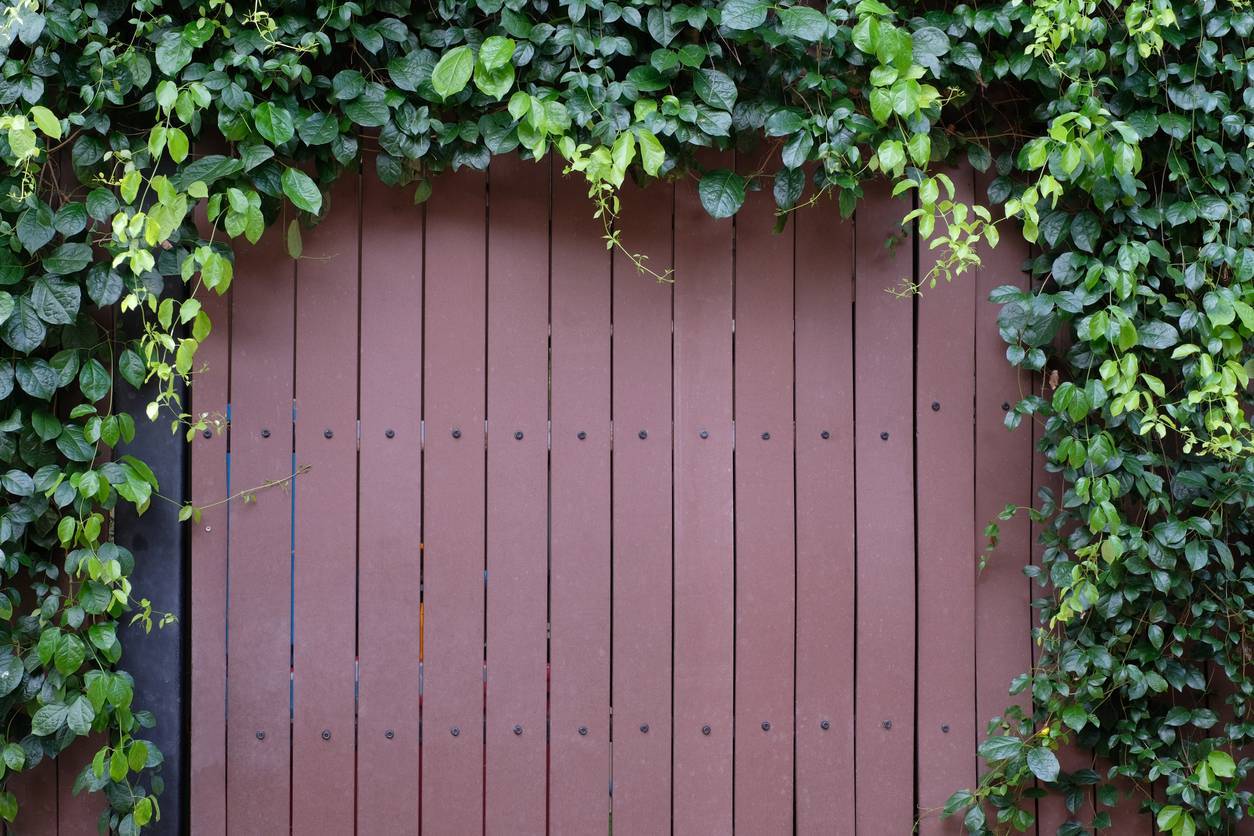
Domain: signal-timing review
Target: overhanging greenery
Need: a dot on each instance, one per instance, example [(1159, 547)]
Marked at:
[(1122, 137)]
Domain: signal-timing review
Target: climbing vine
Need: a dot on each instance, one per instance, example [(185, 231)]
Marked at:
[(1119, 137)]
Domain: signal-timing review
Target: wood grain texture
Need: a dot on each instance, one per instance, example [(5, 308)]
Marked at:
[(884, 416), (704, 535), (825, 521), (517, 499), (579, 535), (389, 509)]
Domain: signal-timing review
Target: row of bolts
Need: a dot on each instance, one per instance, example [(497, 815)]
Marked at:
[(581, 435), (706, 730)]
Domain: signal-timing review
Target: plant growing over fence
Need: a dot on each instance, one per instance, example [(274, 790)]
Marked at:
[(1121, 134)]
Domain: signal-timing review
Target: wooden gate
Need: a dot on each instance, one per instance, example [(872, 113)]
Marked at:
[(524, 541)]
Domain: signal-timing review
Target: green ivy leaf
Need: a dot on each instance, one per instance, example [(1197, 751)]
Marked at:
[(301, 190), (715, 89), (743, 14), (803, 22), (722, 193), (452, 72), (274, 123), (1043, 763)]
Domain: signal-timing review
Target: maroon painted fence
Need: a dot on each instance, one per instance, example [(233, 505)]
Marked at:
[(568, 547)]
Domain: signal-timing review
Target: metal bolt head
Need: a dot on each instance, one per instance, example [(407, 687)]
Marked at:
[(390, 433), (825, 724), (644, 434), (884, 436), (389, 734), (455, 731), (766, 436), (517, 729), (825, 435), (582, 435), (261, 735), (208, 433), (1005, 407), (945, 728), (766, 725), (518, 436), (456, 433), (705, 730), (327, 434), (888, 724), (705, 433), (265, 433), (326, 734), (583, 731), (936, 406), (644, 728)]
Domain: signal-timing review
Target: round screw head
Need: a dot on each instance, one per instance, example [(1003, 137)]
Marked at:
[(455, 731), (644, 434), (825, 724), (389, 734), (705, 433), (517, 729), (936, 406), (884, 436), (261, 735), (582, 435), (705, 730), (390, 433), (327, 434), (456, 433), (326, 734), (208, 433), (583, 731), (945, 728), (766, 436), (888, 724), (644, 728), (825, 435), (518, 436), (766, 725), (265, 433)]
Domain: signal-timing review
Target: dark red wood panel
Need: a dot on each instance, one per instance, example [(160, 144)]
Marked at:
[(641, 661), (259, 638), (704, 536), (579, 711), (324, 657), (389, 509), (453, 502), (36, 791), (78, 814), (944, 411), (825, 520), (765, 556), (1003, 475), (884, 413), (518, 368), (209, 393)]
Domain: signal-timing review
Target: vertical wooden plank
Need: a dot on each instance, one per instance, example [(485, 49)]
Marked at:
[(765, 555), (884, 416), (825, 520), (259, 638), (518, 368), (453, 502), (945, 450), (704, 535), (579, 756), (78, 813), (641, 667), (1003, 475), (36, 791), (209, 392), (389, 509), (324, 655)]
